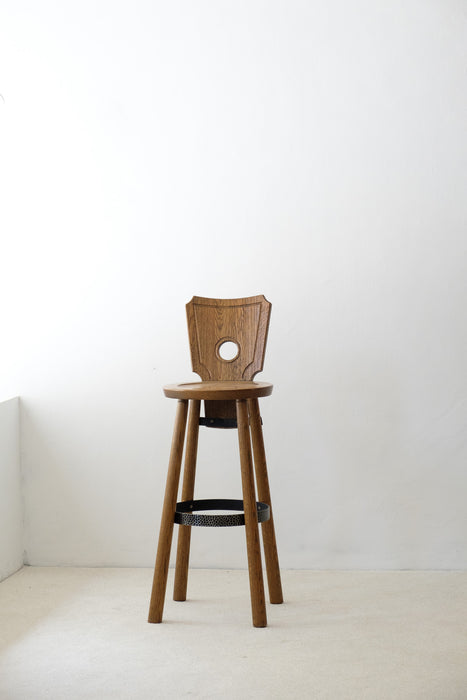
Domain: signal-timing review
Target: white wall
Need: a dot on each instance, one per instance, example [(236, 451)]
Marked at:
[(311, 151), (11, 503)]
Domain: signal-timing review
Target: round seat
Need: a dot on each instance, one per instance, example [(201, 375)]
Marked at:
[(218, 391)]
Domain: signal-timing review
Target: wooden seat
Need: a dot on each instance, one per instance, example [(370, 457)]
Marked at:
[(230, 398), (215, 391)]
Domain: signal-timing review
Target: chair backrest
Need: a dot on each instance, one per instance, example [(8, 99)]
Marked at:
[(214, 324)]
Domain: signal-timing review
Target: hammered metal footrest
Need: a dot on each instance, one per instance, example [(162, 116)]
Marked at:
[(185, 513)]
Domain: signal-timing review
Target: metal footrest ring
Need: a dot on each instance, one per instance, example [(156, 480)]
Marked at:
[(185, 513)]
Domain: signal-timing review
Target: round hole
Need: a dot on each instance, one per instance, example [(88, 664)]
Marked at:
[(228, 350)]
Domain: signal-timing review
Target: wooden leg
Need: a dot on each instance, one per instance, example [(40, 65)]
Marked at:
[(258, 604), (269, 537), (167, 520), (188, 489)]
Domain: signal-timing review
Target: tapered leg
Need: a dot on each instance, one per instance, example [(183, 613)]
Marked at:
[(167, 520), (188, 489), (269, 537), (258, 604)]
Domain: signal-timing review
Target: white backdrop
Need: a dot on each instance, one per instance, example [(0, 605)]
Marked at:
[(311, 151), (11, 502)]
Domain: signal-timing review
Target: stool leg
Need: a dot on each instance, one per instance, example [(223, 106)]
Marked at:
[(188, 489), (167, 520), (258, 604), (269, 537)]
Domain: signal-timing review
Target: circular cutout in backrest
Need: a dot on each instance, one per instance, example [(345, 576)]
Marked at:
[(228, 350)]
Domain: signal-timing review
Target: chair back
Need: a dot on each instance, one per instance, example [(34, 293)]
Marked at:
[(215, 324)]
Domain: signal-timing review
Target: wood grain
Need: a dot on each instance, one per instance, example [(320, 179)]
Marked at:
[(258, 605), (218, 390), (188, 491), (228, 390), (161, 568), (243, 321), (264, 495)]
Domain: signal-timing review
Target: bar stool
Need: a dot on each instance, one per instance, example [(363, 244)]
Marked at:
[(230, 397)]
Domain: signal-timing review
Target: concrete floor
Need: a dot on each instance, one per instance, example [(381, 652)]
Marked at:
[(82, 633)]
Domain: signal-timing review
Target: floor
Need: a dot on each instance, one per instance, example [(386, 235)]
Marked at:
[(82, 633)]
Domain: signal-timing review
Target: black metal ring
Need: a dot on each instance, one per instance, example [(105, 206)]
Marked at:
[(185, 515)]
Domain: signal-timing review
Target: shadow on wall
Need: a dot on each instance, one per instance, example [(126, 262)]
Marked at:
[(359, 476), (11, 504), (59, 509), (367, 435), (84, 470)]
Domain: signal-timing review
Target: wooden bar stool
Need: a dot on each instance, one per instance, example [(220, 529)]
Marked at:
[(215, 328)]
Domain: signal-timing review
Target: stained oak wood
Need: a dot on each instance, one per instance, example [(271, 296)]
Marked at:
[(188, 492), (228, 390), (220, 409), (264, 495), (161, 568), (218, 390), (211, 322), (258, 605)]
